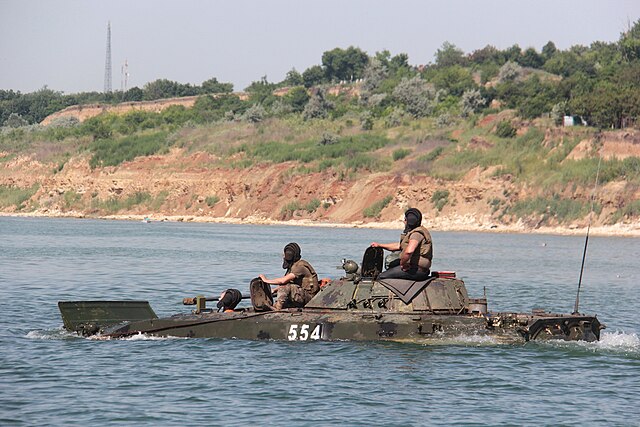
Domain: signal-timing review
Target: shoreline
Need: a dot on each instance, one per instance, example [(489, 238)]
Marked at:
[(466, 224)]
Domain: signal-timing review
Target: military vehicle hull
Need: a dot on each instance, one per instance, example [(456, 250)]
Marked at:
[(315, 325), (360, 306)]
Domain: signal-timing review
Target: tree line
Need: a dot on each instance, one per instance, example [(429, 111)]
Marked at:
[(599, 83)]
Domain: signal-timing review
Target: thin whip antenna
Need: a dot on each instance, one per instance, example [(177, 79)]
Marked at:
[(586, 241)]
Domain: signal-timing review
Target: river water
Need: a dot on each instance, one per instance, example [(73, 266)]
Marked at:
[(50, 377)]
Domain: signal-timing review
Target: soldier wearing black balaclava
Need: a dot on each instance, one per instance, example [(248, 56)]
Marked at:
[(300, 282), (416, 250)]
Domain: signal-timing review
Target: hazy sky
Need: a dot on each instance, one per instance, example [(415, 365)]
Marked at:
[(62, 43)]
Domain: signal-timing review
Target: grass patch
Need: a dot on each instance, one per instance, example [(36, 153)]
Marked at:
[(350, 151), (158, 201), (112, 152), (562, 210), (631, 210), (114, 204), (523, 158), (14, 196), (455, 165), (71, 199), (375, 209)]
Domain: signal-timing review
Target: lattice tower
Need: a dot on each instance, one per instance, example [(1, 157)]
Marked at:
[(107, 62)]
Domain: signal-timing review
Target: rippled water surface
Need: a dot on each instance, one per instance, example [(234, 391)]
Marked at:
[(50, 377)]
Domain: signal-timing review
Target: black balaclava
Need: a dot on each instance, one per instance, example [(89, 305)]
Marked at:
[(291, 255), (229, 299), (414, 219)]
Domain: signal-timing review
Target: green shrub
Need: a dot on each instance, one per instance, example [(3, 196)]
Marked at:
[(440, 198), (288, 209), (431, 155), (400, 153), (375, 209), (312, 206), (505, 129), (212, 200), (631, 210)]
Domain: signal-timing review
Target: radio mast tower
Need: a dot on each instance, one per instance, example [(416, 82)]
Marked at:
[(107, 62), (124, 76)]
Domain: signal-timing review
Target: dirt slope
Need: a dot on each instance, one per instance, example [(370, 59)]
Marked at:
[(181, 183)]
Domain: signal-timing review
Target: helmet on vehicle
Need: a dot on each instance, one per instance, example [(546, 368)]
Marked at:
[(350, 266)]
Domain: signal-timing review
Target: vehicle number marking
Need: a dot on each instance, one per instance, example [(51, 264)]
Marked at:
[(304, 332)]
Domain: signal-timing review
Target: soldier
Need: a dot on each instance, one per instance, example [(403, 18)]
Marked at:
[(300, 282), (416, 250)]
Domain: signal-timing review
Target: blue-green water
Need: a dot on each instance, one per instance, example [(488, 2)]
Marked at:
[(49, 377)]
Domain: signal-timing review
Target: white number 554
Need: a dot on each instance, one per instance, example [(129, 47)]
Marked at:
[(301, 332)]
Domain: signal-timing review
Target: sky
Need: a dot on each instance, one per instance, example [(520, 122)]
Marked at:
[(61, 44)]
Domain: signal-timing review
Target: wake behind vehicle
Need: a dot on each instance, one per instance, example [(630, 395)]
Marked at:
[(357, 306)]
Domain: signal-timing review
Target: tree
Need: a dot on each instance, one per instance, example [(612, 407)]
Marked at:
[(531, 58), (454, 80), (471, 102), (261, 92), (608, 105), (374, 74), (566, 63), (313, 76), (629, 43), (416, 95), (318, 106), (15, 121), (548, 50), (293, 78), (159, 89), (448, 55), (341, 64), (254, 114), (486, 54), (208, 108), (133, 94), (509, 72), (398, 62), (513, 53), (214, 86), (6, 95), (297, 99)]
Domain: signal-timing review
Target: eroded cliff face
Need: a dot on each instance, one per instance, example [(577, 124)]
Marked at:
[(186, 186), (264, 192)]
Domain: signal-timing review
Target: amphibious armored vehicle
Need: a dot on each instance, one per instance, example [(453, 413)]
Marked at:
[(357, 306)]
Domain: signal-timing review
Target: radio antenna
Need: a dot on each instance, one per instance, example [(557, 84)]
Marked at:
[(586, 241)]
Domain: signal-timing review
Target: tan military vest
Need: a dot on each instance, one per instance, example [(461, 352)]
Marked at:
[(423, 256), (306, 276)]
